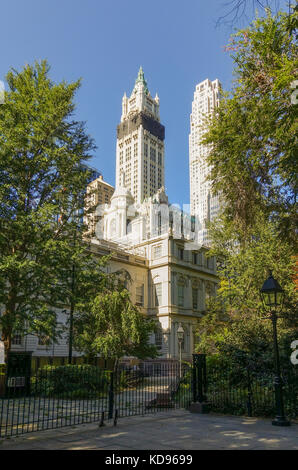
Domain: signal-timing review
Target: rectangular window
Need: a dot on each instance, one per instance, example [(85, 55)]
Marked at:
[(135, 150), (158, 338), (195, 299), (195, 258), (152, 154), (159, 223), (146, 150), (180, 295), (140, 295), (121, 157), (157, 251), (17, 339), (210, 263), (158, 294), (128, 153), (180, 253)]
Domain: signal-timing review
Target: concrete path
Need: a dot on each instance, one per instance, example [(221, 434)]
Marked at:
[(174, 430)]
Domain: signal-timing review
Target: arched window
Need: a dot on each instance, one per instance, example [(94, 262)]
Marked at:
[(128, 226)]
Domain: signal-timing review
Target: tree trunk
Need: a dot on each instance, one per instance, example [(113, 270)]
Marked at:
[(116, 363), (7, 345)]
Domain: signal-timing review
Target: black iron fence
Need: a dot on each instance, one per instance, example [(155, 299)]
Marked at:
[(236, 390), (58, 396)]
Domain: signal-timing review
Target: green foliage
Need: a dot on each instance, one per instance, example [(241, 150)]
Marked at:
[(253, 160), (235, 377), (253, 136), (113, 327), (42, 149), (236, 316), (71, 381)]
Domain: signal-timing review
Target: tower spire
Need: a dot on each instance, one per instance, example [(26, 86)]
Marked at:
[(141, 79)]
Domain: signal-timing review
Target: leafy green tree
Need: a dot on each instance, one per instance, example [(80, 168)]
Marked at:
[(253, 160), (253, 136), (42, 149), (82, 276), (111, 326), (235, 319)]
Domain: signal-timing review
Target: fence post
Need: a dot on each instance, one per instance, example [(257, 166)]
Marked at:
[(249, 395), (18, 374), (194, 383), (200, 404), (111, 396), (202, 380), (102, 423)]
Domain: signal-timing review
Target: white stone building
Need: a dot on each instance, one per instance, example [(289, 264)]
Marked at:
[(203, 204), (177, 276), (154, 242)]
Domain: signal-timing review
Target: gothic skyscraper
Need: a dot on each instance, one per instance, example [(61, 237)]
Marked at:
[(140, 143)]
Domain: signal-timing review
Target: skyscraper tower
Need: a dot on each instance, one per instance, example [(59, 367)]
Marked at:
[(204, 205), (140, 143)]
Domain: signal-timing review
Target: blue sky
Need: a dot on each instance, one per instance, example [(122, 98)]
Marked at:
[(104, 42)]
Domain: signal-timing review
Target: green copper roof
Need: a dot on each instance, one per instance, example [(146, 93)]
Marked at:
[(141, 79)]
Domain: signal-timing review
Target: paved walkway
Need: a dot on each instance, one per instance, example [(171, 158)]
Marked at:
[(174, 430)]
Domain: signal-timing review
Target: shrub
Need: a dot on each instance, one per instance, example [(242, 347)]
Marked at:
[(71, 381)]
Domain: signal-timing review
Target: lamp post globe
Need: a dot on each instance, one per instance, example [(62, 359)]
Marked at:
[(272, 296)]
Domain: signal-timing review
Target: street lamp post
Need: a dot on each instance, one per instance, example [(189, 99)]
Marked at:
[(180, 335), (272, 296)]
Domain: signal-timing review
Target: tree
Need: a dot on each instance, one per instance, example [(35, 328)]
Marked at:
[(253, 148), (82, 275), (253, 136), (235, 318), (111, 326), (42, 149)]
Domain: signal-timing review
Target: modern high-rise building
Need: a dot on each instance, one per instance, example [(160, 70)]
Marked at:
[(203, 204), (98, 193), (140, 143)]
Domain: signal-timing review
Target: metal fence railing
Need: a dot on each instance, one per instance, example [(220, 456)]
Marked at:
[(58, 396), (151, 388), (66, 395), (240, 391)]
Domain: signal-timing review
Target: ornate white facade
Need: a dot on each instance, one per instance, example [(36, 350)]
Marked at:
[(203, 204), (145, 230)]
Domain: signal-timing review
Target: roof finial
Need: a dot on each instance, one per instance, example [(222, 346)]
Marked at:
[(141, 79)]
